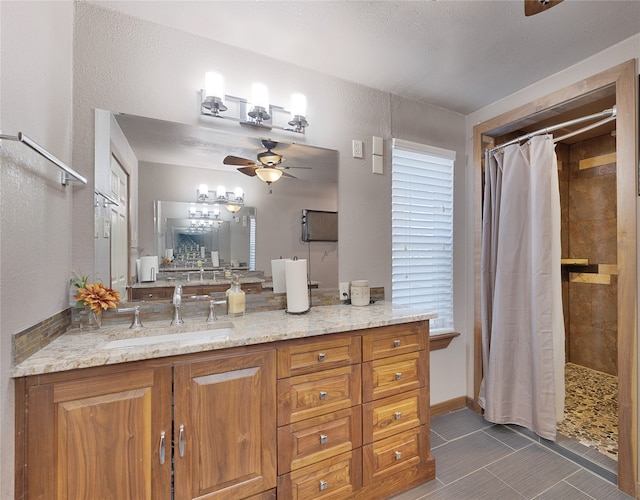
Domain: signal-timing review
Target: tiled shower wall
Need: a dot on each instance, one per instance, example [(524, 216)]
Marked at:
[(590, 293)]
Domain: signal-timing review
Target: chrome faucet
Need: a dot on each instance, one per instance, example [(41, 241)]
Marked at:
[(177, 302)]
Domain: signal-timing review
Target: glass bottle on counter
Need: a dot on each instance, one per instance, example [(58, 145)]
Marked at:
[(235, 298)]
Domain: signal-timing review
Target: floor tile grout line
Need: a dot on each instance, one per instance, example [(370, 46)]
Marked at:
[(505, 483)]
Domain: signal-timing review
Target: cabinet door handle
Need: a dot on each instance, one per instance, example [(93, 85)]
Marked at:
[(181, 441), (322, 356), (398, 455), (398, 376), (323, 394), (396, 343), (161, 449), (324, 438), (323, 485), (397, 415)]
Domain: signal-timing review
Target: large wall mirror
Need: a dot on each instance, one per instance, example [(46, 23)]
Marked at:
[(167, 162)]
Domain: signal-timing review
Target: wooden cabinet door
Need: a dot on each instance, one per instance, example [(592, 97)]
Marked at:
[(225, 426), (99, 437)]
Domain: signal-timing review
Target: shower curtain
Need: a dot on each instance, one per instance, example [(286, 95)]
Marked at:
[(521, 290)]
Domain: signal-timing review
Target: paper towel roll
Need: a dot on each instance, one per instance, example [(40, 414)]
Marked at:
[(215, 262), (296, 281), (148, 268), (277, 275)]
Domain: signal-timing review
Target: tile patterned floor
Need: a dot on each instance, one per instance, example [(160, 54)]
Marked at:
[(591, 409), (478, 460)]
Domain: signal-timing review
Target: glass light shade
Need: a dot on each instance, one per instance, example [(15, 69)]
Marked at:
[(268, 174), (214, 85), (221, 192), (216, 212), (298, 105), (192, 210), (203, 189), (238, 192), (233, 208), (260, 96)]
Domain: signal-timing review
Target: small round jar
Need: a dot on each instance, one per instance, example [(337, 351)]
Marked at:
[(360, 295)]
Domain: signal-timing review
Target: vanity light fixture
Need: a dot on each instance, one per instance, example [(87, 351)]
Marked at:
[(214, 93), (232, 200), (258, 112)]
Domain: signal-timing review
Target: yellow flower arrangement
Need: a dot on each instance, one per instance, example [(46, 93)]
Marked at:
[(98, 297)]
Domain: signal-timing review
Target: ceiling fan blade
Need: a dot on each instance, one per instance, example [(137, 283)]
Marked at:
[(284, 174), (285, 167), (236, 160), (532, 7), (250, 171)]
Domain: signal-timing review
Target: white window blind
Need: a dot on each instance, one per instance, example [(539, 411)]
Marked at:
[(422, 229), (252, 242)]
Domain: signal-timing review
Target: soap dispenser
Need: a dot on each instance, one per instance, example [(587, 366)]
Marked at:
[(235, 298)]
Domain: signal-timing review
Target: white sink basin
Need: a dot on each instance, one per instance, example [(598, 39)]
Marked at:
[(188, 338)]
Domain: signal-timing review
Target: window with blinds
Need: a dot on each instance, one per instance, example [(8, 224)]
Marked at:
[(422, 229)]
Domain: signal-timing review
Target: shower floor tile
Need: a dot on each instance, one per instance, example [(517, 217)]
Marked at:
[(591, 409)]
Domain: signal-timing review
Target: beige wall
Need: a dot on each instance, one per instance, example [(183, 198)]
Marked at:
[(35, 210)]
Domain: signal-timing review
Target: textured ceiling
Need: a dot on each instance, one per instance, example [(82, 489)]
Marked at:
[(460, 55)]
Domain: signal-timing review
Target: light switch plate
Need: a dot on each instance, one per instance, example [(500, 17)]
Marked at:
[(378, 146), (377, 164)]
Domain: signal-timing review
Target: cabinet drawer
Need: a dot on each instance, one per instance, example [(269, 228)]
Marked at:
[(306, 357), (336, 478), (319, 438), (388, 376), (314, 394), (385, 417), (394, 340), (151, 293), (389, 456)]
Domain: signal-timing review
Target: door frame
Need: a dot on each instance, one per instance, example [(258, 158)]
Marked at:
[(625, 79)]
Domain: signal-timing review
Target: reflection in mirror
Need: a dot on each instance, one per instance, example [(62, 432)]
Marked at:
[(170, 162), (189, 233)]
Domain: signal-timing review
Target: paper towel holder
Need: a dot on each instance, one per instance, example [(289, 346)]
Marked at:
[(309, 293)]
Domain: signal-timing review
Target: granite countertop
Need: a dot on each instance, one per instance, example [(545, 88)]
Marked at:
[(83, 349)]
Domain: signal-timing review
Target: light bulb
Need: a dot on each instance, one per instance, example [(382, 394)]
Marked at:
[(260, 96), (214, 85), (298, 105)]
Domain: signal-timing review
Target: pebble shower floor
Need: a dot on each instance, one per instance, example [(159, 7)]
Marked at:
[(591, 409)]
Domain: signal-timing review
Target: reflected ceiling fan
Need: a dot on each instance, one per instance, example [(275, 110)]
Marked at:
[(532, 7), (268, 166)]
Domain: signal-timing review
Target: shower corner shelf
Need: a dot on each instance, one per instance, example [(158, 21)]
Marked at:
[(574, 262)]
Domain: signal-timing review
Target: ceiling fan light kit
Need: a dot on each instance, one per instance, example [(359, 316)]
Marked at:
[(258, 112), (532, 7)]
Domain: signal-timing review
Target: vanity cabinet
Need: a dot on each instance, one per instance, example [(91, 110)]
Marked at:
[(353, 414), (125, 431), (341, 416)]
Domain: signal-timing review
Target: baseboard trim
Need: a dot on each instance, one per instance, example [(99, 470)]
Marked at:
[(447, 406)]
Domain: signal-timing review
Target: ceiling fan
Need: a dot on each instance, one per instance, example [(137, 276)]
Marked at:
[(532, 7), (268, 166)]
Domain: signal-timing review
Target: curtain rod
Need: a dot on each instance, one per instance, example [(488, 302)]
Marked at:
[(610, 115), (67, 171)]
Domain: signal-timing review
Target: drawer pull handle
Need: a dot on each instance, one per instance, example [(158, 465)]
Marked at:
[(322, 356), (324, 439), (398, 455), (323, 485), (398, 376), (323, 395), (181, 441), (396, 343), (397, 415), (161, 450)]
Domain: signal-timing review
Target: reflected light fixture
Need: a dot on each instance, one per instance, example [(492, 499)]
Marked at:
[(260, 103), (268, 174), (232, 200)]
